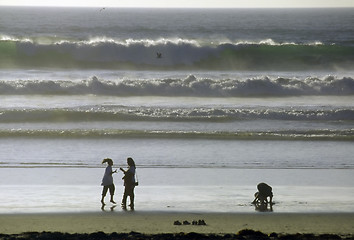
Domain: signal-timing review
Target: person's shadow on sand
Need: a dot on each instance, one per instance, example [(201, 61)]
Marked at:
[(104, 208)]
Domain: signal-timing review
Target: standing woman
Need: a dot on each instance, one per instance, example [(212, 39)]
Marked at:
[(129, 183), (107, 180)]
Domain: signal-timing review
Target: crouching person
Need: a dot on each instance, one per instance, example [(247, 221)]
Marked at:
[(264, 192)]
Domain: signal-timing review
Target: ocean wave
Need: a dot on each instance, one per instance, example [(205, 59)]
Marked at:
[(189, 86), (325, 135), (94, 41), (200, 114), (176, 54)]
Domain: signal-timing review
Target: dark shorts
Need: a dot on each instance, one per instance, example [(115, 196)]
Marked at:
[(111, 189)]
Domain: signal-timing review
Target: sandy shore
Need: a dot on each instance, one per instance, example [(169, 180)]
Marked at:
[(163, 222)]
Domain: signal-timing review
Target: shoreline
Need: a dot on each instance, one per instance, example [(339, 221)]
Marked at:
[(163, 222), (182, 190)]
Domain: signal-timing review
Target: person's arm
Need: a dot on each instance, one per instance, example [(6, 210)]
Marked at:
[(255, 198), (271, 198)]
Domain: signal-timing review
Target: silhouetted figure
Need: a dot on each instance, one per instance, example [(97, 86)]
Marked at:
[(129, 183), (159, 55), (107, 180), (264, 191), (261, 198)]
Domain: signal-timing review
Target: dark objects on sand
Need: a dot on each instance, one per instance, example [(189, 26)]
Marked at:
[(199, 222), (241, 235)]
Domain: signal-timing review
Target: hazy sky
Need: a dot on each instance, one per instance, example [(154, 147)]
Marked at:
[(183, 3)]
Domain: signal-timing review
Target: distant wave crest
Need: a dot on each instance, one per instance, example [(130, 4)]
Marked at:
[(332, 135), (106, 53)]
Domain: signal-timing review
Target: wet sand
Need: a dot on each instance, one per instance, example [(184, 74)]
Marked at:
[(340, 224)]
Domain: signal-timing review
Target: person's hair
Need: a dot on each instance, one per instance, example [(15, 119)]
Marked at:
[(131, 162), (107, 160)]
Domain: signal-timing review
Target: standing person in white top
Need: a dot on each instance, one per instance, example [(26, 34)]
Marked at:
[(107, 180)]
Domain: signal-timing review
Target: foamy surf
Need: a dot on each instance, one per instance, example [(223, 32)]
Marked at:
[(191, 85)]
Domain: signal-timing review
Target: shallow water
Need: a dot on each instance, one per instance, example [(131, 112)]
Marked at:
[(177, 153), (28, 190)]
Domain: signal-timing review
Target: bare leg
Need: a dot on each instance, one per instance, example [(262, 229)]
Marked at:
[(104, 192), (132, 196), (124, 200), (112, 189)]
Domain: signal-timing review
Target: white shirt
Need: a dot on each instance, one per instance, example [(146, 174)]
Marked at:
[(107, 178)]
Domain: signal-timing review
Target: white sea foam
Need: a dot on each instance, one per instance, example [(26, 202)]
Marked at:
[(189, 86)]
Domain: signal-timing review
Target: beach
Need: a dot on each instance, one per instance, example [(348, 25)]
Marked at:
[(48, 209), (210, 190), (163, 222), (74, 210), (208, 102)]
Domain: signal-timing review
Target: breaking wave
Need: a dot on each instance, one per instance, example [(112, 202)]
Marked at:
[(176, 54), (189, 86), (200, 114)]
